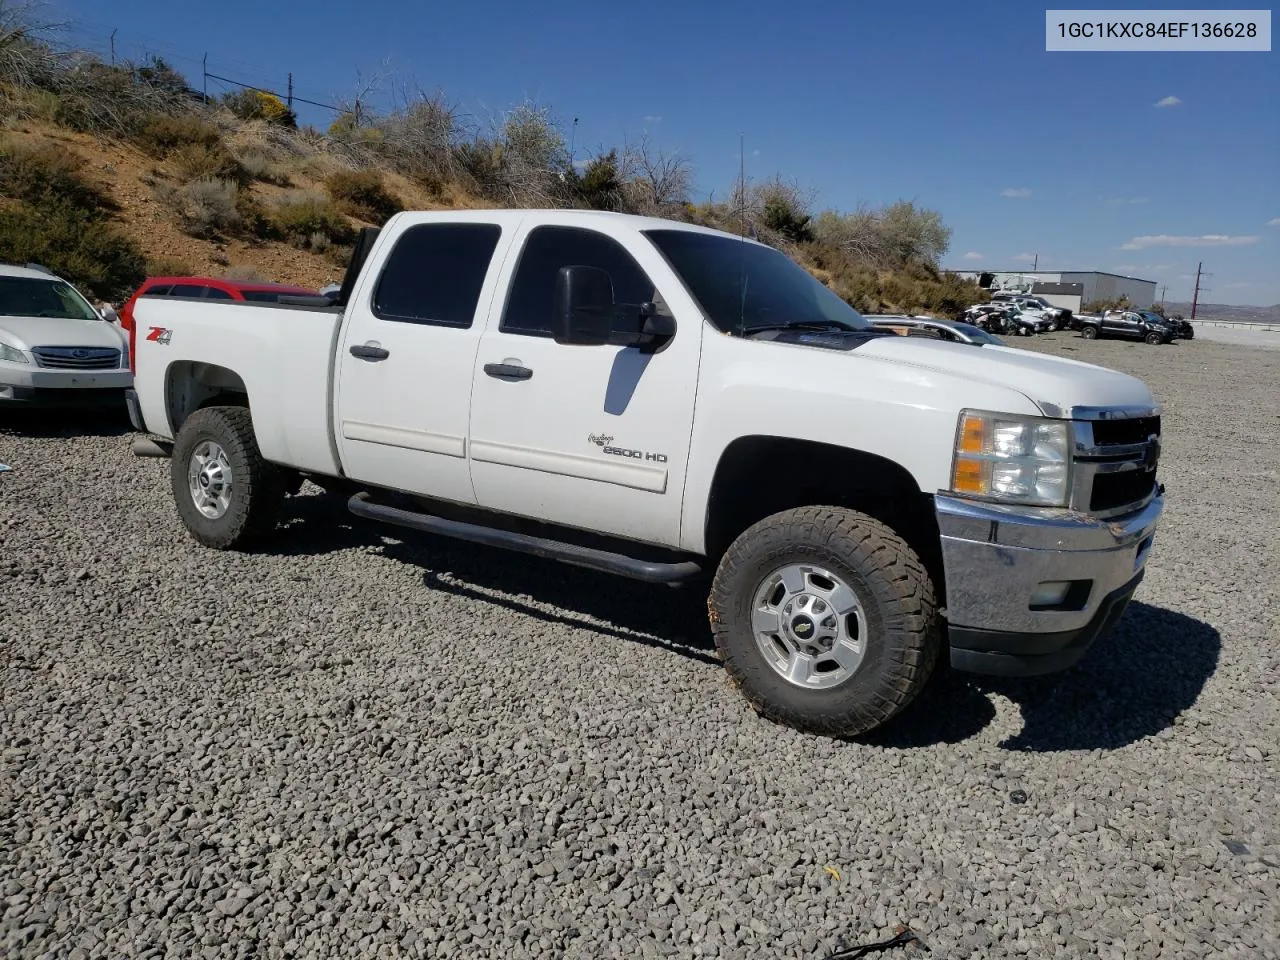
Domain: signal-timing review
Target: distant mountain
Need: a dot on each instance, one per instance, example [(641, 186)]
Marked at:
[(1226, 311)]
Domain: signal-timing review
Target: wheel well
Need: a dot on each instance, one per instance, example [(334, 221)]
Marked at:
[(761, 475), (191, 386)]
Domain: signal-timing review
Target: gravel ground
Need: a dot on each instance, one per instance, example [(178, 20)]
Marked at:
[(351, 745)]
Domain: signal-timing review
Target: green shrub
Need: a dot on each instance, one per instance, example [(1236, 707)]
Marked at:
[(260, 105), (162, 135), (301, 217), (362, 194), (73, 243), (245, 273), (47, 173), (202, 161)]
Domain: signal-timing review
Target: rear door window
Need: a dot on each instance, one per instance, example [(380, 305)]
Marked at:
[(435, 273)]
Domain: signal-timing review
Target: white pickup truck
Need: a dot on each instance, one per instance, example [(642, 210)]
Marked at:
[(660, 401)]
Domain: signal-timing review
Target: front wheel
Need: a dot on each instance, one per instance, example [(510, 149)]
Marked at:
[(227, 494), (1154, 338), (826, 620)]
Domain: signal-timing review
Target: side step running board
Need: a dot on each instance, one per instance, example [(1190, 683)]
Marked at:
[(616, 563)]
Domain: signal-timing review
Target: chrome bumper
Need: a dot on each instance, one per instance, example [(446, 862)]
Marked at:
[(995, 557)]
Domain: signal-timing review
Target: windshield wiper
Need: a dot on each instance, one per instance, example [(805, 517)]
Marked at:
[(803, 325)]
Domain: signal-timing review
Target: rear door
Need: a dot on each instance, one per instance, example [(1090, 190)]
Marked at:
[(408, 352)]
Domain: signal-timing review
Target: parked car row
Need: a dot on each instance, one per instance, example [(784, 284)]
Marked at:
[(1010, 318)]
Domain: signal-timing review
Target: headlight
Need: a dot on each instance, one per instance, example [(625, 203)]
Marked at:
[(1015, 459), (12, 354)]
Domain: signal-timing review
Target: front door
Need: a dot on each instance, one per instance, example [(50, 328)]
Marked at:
[(594, 437), (407, 357)]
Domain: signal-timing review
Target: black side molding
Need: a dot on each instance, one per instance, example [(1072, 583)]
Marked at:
[(602, 560)]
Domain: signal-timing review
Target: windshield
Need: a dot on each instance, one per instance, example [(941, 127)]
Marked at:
[(744, 286), (1152, 317), (32, 297)]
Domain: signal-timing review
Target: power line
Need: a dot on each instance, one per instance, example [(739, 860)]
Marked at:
[(292, 97)]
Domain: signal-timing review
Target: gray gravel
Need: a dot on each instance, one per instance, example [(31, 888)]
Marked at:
[(356, 746)]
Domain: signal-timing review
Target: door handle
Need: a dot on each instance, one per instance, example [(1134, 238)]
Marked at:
[(508, 371), (367, 352)]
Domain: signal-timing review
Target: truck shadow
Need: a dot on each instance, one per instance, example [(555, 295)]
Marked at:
[(1133, 683)]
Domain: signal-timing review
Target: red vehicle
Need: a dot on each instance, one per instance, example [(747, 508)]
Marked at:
[(204, 288)]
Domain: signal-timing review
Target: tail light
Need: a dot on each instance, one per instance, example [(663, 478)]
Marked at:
[(126, 321)]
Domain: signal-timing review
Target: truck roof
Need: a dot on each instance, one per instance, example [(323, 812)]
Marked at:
[(597, 218)]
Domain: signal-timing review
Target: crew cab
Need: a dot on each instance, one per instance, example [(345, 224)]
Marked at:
[(56, 349), (678, 405), (1130, 324)]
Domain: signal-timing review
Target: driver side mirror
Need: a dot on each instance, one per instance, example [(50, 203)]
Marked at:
[(587, 315), (583, 307)]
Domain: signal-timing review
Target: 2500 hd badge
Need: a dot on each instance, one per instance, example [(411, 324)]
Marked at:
[(603, 441)]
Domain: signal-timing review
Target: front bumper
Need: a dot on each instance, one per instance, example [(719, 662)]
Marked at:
[(36, 387), (995, 557)]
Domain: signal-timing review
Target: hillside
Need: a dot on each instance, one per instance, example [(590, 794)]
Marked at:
[(112, 172), (1226, 311)]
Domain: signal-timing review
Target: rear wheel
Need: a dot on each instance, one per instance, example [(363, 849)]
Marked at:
[(227, 494), (825, 619), (1089, 332)]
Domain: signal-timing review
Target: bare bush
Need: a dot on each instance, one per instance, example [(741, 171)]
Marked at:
[(304, 218), (362, 194), (655, 182), (245, 273), (206, 208), (261, 166)]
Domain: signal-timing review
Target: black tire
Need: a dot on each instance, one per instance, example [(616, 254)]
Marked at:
[(904, 633), (1089, 332), (257, 487), (1154, 338)]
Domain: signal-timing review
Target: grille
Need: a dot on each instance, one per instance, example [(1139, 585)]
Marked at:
[(77, 358), (1110, 433), (1112, 490)]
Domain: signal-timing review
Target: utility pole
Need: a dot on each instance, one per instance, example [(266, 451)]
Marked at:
[(573, 139), (1195, 297), (1162, 290), (204, 69), (1035, 263), (113, 46), (289, 101)]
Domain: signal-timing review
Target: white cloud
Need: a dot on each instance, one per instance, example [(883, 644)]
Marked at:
[(973, 255), (653, 119), (1168, 102), (1207, 240), (1025, 258), (1015, 192), (1274, 222), (1123, 201)]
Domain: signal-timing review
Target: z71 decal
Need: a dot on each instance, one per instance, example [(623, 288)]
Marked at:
[(160, 334)]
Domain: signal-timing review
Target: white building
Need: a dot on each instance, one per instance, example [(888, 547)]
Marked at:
[(1067, 288)]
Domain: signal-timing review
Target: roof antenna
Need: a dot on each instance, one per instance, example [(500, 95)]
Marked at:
[(742, 185)]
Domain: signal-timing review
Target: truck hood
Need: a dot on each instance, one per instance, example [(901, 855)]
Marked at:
[(1054, 384), (28, 332)]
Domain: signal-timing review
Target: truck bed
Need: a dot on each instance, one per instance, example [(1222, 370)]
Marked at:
[(283, 355)]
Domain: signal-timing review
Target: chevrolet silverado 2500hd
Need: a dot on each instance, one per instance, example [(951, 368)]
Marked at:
[(660, 400)]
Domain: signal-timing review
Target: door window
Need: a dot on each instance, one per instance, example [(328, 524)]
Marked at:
[(213, 293), (532, 299), (187, 290), (434, 274)]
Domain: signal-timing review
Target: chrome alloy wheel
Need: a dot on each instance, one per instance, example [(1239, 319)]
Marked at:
[(209, 478), (809, 625)]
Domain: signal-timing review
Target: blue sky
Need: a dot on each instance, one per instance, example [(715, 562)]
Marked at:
[(954, 105)]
